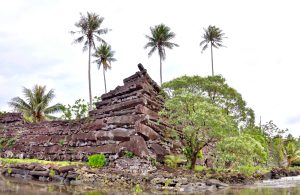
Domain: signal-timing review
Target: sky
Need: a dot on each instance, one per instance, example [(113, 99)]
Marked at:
[(260, 60)]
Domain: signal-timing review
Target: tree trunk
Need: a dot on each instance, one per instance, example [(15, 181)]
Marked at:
[(193, 160), (160, 70), (212, 59), (89, 77), (104, 79)]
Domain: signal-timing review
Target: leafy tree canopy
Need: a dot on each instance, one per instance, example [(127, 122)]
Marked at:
[(201, 121), (242, 150), (218, 92)]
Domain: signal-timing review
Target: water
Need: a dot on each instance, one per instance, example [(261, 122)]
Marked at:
[(284, 186)]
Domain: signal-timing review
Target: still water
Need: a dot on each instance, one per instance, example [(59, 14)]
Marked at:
[(284, 186)]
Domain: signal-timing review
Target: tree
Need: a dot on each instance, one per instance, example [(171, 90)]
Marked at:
[(214, 36), (36, 104), (238, 151), (78, 110), (159, 39), (271, 129), (201, 122), (105, 56), (90, 29), (218, 92), (292, 153)]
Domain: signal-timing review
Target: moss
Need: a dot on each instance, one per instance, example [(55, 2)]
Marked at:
[(44, 162)]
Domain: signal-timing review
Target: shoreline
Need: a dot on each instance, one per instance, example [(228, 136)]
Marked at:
[(156, 179)]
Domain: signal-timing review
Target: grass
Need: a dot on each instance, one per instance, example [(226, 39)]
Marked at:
[(44, 162)]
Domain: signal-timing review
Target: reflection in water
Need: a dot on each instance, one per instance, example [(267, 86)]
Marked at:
[(290, 186)]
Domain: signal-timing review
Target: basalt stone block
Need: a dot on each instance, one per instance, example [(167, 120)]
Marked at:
[(125, 120), (66, 168), (39, 173), (137, 145), (159, 151), (146, 131), (118, 134)]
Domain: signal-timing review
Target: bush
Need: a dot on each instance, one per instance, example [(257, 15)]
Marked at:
[(172, 161), (97, 160)]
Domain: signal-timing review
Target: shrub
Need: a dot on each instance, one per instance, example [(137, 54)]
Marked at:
[(97, 160), (172, 161)]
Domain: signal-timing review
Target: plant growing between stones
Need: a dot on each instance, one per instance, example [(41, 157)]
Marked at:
[(9, 171), (52, 172), (137, 189), (128, 154), (172, 161), (61, 142), (97, 161)]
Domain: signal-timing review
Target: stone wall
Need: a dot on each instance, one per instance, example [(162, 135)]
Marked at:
[(125, 120)]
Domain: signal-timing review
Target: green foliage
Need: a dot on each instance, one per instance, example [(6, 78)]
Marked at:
[(128, 154), (201, 122), (277, 151), (97, 160), (36, 107), (61, 142), (199, 168), (160, 38), (78, 110), (93, 193), (172, 161), (36, 161), (218, 92), (237, 151), (9, 171), (248, 170), (137, 189), (6, 143), (153, 162), (52, 172), (292, 153)]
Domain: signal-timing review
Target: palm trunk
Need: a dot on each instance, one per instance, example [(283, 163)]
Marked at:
[(89, 77), (104, 79), (212, 59), (160, 70)]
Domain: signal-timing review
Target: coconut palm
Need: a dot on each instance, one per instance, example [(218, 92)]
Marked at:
[(35, 106), (214, 36), (104, 56), (90, 31), (159, 40)]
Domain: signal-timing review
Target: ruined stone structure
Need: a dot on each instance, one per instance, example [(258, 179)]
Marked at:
[(125, 120)]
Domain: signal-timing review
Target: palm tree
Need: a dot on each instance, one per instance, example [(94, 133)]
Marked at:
[(159, 40), (90, 30), (214, 36), (36, 104), (105, 56)]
